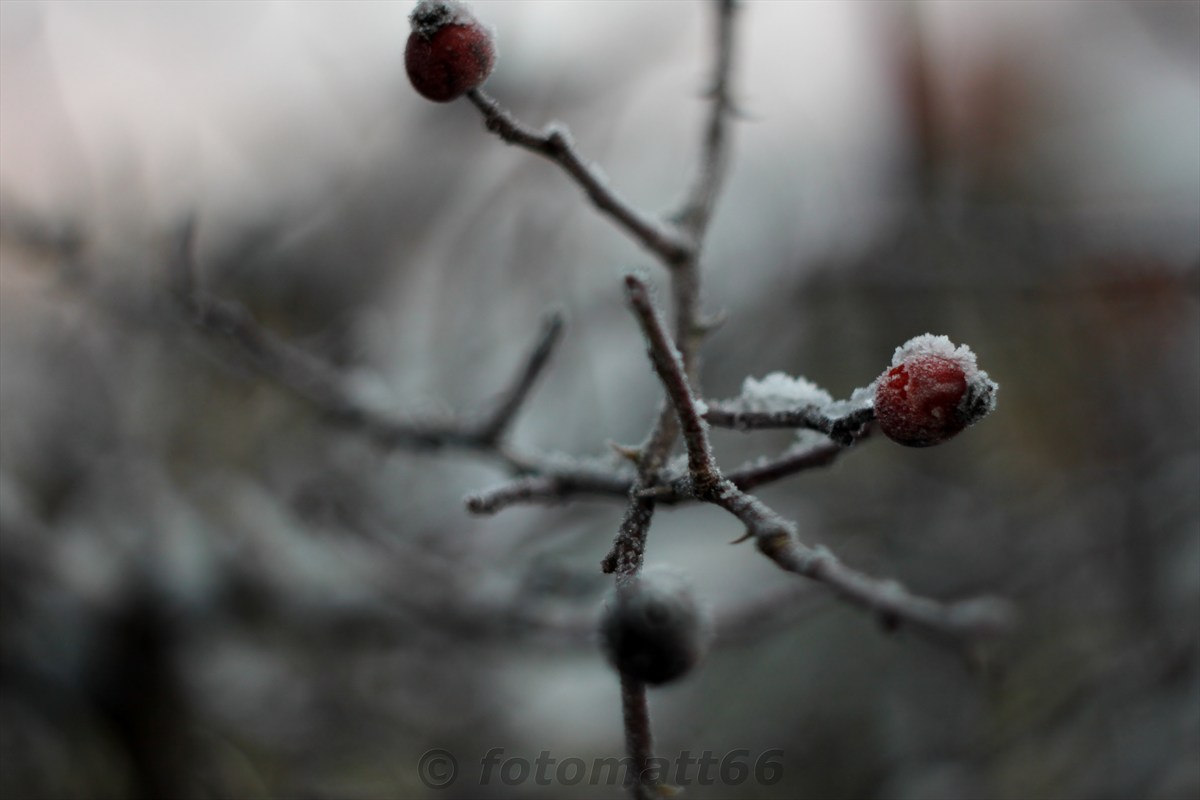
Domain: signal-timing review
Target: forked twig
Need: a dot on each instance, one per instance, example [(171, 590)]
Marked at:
[(324, 388)]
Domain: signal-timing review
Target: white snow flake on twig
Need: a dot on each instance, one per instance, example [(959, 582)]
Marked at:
[(780, 391)]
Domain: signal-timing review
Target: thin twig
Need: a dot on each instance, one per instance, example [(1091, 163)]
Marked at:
[(979, 617), (307, 377), (777, 539), (843, 429), (549, 482), (694, 217), (668, 363), (678, 489), (789, 462), (552, 485), (625, 558), (497, 423), (714, 160), (555, 144)]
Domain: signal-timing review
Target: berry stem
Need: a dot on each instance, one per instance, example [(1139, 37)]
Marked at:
[(639, 741), (845, 429)]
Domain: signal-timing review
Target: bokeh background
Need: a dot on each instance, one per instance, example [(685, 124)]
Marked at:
[(209, 592)]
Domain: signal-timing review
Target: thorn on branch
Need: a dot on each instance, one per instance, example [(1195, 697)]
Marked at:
[(627, 452)]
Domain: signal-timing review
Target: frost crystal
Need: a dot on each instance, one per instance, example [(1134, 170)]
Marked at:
[(431, 15), (929, 345), (981, 390), (780, 392), (560, 129)]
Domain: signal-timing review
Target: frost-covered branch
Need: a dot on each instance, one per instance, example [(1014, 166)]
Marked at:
[(800, 457), (783, 401), (552, 484), (894, 604), (555, 143), (776, 537), (797, 458), (625, 558), (668, 363)]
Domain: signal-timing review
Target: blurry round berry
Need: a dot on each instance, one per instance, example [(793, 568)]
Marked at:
[(653, 629), (449, 52), (932, 391)]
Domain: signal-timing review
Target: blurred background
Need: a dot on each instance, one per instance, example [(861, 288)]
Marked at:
[(209, 592)]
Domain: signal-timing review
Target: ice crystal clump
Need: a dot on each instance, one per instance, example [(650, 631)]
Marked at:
[(927, 344), (780, 391)]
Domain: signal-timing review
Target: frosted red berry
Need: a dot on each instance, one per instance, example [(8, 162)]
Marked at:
[(449, 52), (931, 392)]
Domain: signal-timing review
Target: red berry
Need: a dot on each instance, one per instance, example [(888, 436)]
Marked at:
[(932, 392), (449, 52)]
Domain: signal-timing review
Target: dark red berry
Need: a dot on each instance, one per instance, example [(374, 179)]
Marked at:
[(449, 52), (653, 628), (931, 392)]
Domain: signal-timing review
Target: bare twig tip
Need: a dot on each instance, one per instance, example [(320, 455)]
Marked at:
[(554, 321)]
